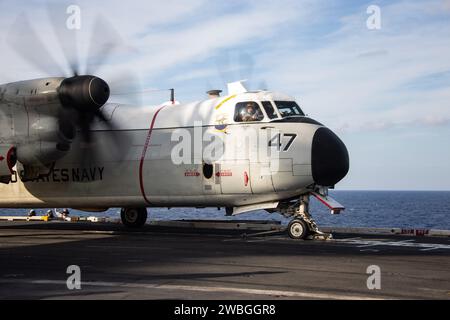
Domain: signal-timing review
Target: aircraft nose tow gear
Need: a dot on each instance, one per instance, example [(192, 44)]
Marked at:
[(303, 226), (133, 217)]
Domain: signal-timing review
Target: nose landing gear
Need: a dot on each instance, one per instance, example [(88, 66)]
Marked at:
[(297, 229), (133, 217), (303, 226)]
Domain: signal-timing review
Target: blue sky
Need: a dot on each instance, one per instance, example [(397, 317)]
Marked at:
[(385, 92)]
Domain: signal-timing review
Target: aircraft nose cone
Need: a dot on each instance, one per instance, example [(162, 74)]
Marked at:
[(329, 158)]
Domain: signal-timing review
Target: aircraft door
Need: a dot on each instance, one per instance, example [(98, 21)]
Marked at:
[(235, 177), (261, 178), (211, 181)]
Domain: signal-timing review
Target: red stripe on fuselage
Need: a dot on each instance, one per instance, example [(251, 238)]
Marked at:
[(144, 152), (8, 159)]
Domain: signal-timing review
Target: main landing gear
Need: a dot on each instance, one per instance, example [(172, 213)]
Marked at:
[(302, 225), (133, 217)]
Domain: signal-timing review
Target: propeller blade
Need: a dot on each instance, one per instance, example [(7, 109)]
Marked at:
[(234, 67), (99, 114), (263, 86), (104, 41), (66, 123), (117, 141), (82, 97), (223, 67), (27, 44), (58, 13), (85, 120), (246, 67), (126, 88)]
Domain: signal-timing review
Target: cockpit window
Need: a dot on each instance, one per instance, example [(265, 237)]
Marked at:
[(289, 108), (248, 112), (271, 113)]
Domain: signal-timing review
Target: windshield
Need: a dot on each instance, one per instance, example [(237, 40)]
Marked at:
[(289, 108), (271, 113)]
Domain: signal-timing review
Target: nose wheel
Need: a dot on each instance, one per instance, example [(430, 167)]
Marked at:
[(133, 217), (303, 226), (297, 229)]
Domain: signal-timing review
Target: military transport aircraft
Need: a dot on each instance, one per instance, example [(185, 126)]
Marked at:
[(64, 144)]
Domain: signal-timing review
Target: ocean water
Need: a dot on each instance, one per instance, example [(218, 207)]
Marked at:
[(401, 209)]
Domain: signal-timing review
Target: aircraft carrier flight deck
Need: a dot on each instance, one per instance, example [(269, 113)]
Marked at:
[(163, 262)]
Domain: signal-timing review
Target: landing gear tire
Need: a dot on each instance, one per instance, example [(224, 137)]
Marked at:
[(133, 217), (297, 229)]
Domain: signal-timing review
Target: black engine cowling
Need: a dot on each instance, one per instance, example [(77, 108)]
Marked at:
[(84, 93)]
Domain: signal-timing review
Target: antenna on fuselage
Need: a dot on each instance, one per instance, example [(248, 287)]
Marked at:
[(172, 95), (214, 94)]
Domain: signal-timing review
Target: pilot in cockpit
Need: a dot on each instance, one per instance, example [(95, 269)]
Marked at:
[(250, 113)]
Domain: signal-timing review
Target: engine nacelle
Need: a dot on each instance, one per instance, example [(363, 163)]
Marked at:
[(50, 141), (41, 153), (8, 160)]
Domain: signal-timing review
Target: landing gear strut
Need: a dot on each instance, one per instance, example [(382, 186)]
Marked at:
[(133, 217), (302, 226)]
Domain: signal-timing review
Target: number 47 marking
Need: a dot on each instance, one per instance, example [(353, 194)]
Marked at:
[(277, 141)]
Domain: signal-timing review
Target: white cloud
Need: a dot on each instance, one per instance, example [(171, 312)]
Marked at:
[(350, 78), (357, 79), (161, 33)]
